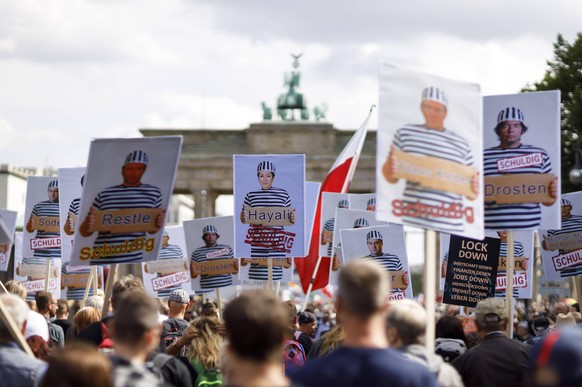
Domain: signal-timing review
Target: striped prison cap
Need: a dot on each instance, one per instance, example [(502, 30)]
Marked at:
[(343, 204), (510, 114), (371, 202), (434, 94), (53, 184), (209, 228), (374, 235), (137, 156), (266, 166), (361, 222), (566, 202)]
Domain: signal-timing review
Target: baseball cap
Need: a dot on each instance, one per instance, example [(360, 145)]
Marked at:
[(490, 310), (306, 318), (180, 295), (510, 114), (435, 94), (557, 357), (36, 325), (137, 156)]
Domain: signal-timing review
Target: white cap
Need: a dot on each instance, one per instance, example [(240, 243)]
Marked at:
[(266, 166), (137, 156), (434, 94), (36, 325), (510, 114), (374, 235)]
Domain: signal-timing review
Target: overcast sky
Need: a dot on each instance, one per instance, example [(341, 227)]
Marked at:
[(75, 70)]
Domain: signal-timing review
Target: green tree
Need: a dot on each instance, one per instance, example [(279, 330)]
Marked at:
[(564, 73)]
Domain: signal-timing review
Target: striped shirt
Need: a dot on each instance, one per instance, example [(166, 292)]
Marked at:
[(123, 197), (272, 197), (213, 281), (76, 293), (389, 262), (518, 251), (445, 145), (47, 208), (518, 216), (74, 206), (571, 224), (329, 226), (169, 252)]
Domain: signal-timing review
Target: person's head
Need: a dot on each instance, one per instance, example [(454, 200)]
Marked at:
[(363, 290), (134, 167), (375, 242), (78, 364), (490, 315), (210, 235), (178, 301), (561, 307), (510, 127), (165, 239), (556, 358), (371, 205), (434, 108), (209, 309), (361, 222), (566, 208), (307, 323), (46, 303), (136, 322), (575, 307), (291, 314), (522, 329), (449, 327), (540, 325), (17, 288), (125, 285), (207, 345), (62, 309), (256, 324), (405, 323), (53, 191), (85, 317), (95, 302), (563, 320), (18, 310), (266, 174)]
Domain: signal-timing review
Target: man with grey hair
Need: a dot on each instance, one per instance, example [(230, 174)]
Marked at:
[(364, 359), (405, 328), (497, 360), (16, 367)]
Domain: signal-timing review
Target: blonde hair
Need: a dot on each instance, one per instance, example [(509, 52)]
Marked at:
[(207, 346), (333, 339), (85, 317)]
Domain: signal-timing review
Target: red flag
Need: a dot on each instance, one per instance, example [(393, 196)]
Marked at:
[(337, 180)]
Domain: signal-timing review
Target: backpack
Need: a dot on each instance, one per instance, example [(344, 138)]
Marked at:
[(172, 330), (106, 343), (206, 378), (293, 354)]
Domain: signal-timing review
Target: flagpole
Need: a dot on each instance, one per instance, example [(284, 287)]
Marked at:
[(311, 282)]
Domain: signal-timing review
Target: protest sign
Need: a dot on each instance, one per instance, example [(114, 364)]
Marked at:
[(9, 222)]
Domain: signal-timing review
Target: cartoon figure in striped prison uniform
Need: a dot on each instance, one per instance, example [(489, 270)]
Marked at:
[(329, 226), (518, 251), (371, 204), (390, 262), (73, 213), (168, 251), (434, 140), (48, 208), (210, 251), (510, 128), (570, 223), (336, 262), (267, 196), (132, 193)]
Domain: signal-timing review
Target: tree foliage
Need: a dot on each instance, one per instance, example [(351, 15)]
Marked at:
[(565, 74)]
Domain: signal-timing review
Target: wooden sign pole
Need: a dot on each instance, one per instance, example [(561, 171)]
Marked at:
[(87, 288), (430, 271), (95, 274), (48, 274), (108, 289), (509, 288), (219, 304), (270, 276)]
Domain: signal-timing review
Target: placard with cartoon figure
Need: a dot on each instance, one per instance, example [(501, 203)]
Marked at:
[(562, 248), (9, 219), (171, 271), (311, 197), (522, 161), (346, 219), (337, 262), (209, 244), (429, 165), (269, 200), (128, 186), (70, 190), (329, 203), (385, 245)]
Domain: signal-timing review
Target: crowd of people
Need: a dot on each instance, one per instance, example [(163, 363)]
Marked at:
[(259, 340)]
